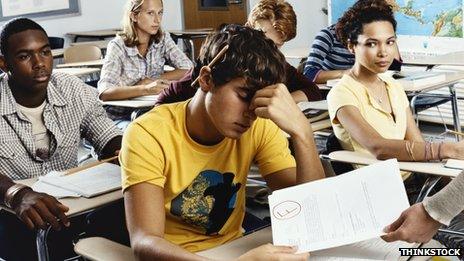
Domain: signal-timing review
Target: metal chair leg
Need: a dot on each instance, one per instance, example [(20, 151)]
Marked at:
[(429, 184)]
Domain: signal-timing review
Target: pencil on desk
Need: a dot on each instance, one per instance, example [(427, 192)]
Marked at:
[(88, 166), (215, 59)]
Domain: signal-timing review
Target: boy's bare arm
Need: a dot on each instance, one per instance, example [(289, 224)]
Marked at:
[(275, 103)]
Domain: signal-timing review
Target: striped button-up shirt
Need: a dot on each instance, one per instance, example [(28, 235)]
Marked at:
[(124, 66), (72, 111)]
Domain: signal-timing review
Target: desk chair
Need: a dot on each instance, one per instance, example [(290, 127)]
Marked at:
[(56, 42), (81, 53), (425, 101), (333, 168), (453, 235), (102, 249), (99, 248)]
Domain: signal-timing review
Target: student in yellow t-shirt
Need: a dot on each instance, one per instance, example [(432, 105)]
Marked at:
[(370, 111), (185, 164)]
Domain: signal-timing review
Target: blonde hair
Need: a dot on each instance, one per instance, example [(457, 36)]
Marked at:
[(129, 34), (279, 12)]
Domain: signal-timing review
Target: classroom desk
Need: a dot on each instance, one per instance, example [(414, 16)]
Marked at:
[(93, 63), (100, 44), (295, 53), (188, 35), (316, 105), (433, 168), (136, 103), (97, 34), (58, 53), (77, 206), (79, 72), (97, 248), (380, 251), (451, 79), (453, 58)]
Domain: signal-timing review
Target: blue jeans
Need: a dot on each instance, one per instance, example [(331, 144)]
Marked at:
[(122, 123)]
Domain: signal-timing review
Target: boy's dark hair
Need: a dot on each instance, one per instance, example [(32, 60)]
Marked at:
[(250, 55), (350, 25), (14, 26)]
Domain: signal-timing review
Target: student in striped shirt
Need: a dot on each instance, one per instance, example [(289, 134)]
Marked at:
[(329, 59)]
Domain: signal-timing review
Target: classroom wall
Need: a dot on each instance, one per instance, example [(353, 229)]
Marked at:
[(104, 14)]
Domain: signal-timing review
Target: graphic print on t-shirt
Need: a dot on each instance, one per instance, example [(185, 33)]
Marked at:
[(208, 201)]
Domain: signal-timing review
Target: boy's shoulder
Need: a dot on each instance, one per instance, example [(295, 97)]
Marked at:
[(69, 87), (167, 117)]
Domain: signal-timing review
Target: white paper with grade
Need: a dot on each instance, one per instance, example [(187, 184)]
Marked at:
[(337, 211), (90, 182)]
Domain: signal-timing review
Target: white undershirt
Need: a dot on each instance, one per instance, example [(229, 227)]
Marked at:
[(39, 131)]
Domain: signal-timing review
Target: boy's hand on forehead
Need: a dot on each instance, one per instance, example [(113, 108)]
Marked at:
[(274, 102)]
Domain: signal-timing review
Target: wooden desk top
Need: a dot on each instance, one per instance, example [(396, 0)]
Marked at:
[(77, 71), (93, 63), (96, 33), (434, 168), (81, 205), (100, 44)]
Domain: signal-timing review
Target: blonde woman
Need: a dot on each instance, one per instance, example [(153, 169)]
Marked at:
[(134, 60)]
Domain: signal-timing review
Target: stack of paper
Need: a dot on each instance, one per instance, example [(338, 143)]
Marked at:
[(337, 211), (90, 182)]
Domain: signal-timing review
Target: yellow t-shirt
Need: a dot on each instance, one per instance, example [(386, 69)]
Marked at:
[(204, 186), (351, 92)]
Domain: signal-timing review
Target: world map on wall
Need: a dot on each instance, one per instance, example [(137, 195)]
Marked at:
[(417, 17)]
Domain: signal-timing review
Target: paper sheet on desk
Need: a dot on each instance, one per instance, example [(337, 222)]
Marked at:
[(455, 164), (337, 211), (89, 182), (54, 191)]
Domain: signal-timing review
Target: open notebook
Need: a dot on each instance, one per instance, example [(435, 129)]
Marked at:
[(87, 183)]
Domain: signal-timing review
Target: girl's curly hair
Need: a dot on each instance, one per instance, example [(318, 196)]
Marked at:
[(350, 25)]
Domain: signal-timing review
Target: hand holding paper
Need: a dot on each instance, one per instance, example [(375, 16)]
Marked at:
[(337, 211)]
